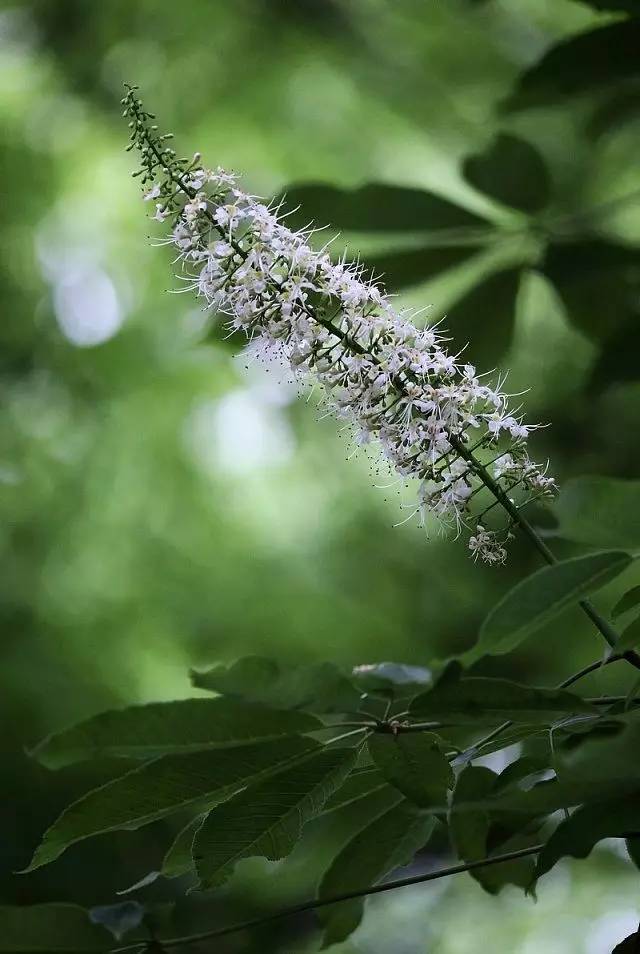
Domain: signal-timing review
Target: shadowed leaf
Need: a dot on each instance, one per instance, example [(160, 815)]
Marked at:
[(375, 208), (541, 597), (580, 63), (512, 171), (414, 763), (387, 842), (267, 819), (49, 928), (163, 727), (165, 786)]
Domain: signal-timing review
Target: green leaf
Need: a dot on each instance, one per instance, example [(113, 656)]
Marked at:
[(49, 928), (322, 687), (629, 638), (483, 699), (512, 171), (470, 832), (600, 511), (627, 602), (577, 835), (598, 283), (414, 763), (360, 784), (404, 269), (588, 60), (387, 842), (391, 679), (375, 208), (179, 857), (491, 302), (165, 786), (541, 597), (164, 727), (267, 819)]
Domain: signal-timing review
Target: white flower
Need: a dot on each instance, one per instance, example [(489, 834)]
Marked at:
[(390, 380)]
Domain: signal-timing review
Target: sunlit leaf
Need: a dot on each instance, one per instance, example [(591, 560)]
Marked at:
[(375, 208), (165, 786), (267, 819), (384, 844), (541, 597), (322, 686), (164, 727), (49, 928), (580, 63), (601, 511), (414, 763), (512, 171)]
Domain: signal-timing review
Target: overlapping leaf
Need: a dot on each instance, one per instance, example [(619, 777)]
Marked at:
[(512, 171), (267, 819), (165, 786), (415, 764), (321, 687), (387, 842), (161, 728)]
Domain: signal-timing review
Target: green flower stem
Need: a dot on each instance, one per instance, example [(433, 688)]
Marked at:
[(609, 632), (337, 898)]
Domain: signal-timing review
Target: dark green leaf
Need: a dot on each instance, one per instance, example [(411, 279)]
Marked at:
[(414, 763), (267, 819), (589, 824), (541, 597), (179, 857), (482, 699), (588, 60), (598, 281), (627, 602), (410, 267), (601, 511), (375, 208), (483, 317), (470, 831), (49, 928), (161, 728), (512, 171), (623, 106), (633, 847), (360, 784), (629, 638), (259, 679), (384, 844), (165, 786)]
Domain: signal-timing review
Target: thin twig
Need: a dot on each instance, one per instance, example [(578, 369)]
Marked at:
[(337, 898)]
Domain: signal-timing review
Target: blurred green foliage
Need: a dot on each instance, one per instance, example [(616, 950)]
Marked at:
[(162, 506)]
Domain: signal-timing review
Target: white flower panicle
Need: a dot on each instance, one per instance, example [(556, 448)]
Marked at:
[(432, 415)]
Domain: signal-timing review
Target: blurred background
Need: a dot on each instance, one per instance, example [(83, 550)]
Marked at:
[(165, 507)]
